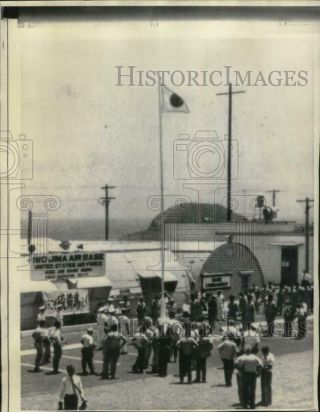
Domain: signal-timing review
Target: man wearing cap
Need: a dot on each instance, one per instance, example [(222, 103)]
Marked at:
[(111, 318), (88, 346), (102, 319), (38, 336), (112, 345), (59, 314), (41, 314)]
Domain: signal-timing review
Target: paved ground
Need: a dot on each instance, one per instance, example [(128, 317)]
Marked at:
[(292, 381)]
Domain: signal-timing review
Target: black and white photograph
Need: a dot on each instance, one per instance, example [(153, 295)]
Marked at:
[(159, 205)]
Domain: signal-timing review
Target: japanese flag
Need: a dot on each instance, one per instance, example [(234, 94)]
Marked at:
[(172, 102)]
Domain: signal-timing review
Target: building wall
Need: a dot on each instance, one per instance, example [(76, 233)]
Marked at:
[(258, 237)]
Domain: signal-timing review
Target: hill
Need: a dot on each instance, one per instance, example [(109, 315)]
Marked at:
[(190, 213)]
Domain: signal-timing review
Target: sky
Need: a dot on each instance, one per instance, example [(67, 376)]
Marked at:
[(87, 131)]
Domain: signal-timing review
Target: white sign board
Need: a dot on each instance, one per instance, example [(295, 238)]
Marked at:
[(57, 265), (216, 281)]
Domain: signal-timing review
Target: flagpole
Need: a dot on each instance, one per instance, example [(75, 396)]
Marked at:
[(162, 220)]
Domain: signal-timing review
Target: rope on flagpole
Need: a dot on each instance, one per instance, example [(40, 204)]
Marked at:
[(162, 222)]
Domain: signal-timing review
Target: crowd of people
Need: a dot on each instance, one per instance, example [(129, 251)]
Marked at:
[(187, 337)]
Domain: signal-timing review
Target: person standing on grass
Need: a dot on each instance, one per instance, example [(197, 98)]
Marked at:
[(186, 346), (228, 350), (112, 345), (266, 376), (38, 337), (87, 352), (57, 340), (70, 391)]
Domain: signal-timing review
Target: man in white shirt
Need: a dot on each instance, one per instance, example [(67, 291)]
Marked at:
[(70, 391), (59, 314), (102, 319), (250, 367), (87, 352), (111, 319)]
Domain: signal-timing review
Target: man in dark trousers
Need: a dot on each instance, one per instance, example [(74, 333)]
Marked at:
[(242, 308), (270, 312), (212, 311), (232, 308), (87, 351), (57, 340), (155, 309), (266, 376), (38, 336), (112, 345), (250, 367), (250, 309), (228, 350), (164, 341), (202, 352), (141, 311), (195, 309), (288, 315), (186, 346)]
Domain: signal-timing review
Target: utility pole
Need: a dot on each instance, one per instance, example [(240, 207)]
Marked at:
[(29, 228), (308, 206), (274, 193), (106, 202), (229, 93)]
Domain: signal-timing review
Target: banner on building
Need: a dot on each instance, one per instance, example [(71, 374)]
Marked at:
[(73, 301)]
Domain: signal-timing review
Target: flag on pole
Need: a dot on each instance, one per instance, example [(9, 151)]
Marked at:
[(172, 102)]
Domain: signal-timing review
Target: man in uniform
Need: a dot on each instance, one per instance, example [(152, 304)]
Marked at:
[(41, 314), (249, 318), (228, 350), (57, 339), (38, 336), (112, 345), (203, 351), (195, 309), (102, 318), (88, 346), (250, 367), (232, 308), (59, 314), (186, 347), (270, 312), (155, 309), (141, 311), (212, 311), (112, 320)]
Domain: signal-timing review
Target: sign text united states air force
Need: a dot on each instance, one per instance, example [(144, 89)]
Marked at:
[(63, 264)]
